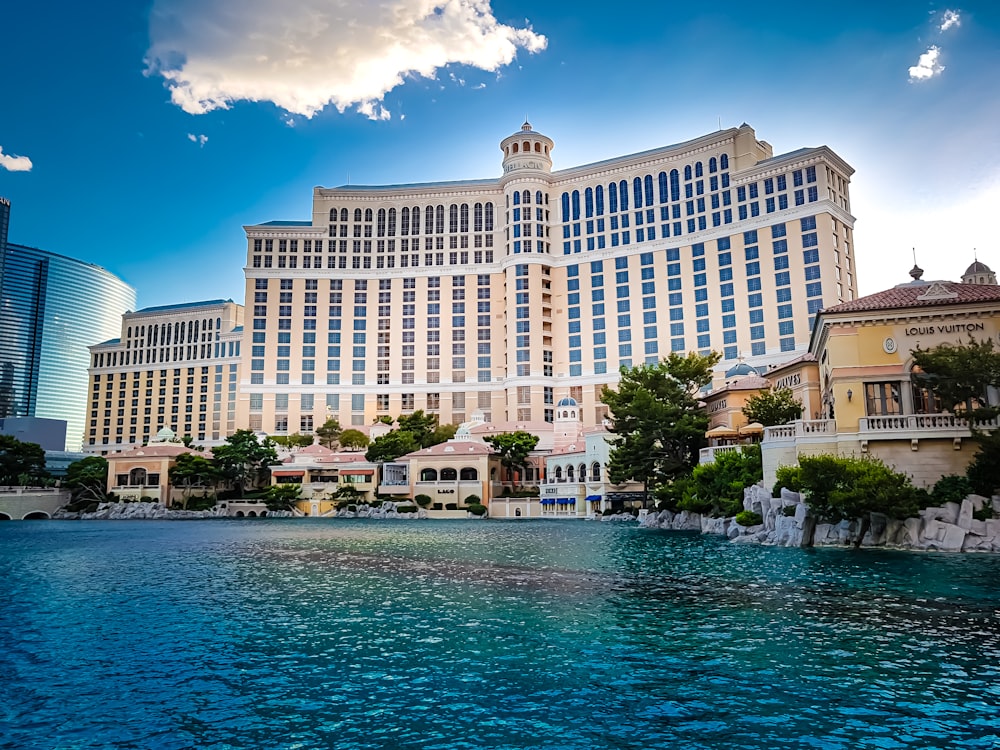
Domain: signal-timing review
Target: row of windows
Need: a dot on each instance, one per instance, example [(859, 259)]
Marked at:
[(409, 219)]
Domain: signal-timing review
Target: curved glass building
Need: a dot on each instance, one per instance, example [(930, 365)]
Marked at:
[(52, 308)]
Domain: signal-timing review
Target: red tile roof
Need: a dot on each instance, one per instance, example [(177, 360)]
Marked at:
[(931, 294)]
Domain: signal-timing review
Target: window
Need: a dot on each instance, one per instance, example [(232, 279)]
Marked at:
[(882, 399)]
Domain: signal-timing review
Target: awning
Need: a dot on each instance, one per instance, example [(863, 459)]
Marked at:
[(359, 472), (593, 498), (752, 428), (288, 473), (548, 501), (721, 431)]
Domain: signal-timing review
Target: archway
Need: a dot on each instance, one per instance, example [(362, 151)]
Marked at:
[(5, 517), (469, 474), (37, 515), (428, 475), (449, 475)]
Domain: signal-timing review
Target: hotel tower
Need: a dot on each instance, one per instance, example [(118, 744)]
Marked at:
[(504, 295)]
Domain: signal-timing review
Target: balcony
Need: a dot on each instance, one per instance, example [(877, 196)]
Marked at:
[(916, 427), (803, 428), (707, 455)]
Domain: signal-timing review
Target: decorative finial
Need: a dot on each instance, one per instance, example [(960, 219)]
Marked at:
[(527, 125)]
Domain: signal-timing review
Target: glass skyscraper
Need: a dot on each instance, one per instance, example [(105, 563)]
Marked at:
[(52, 308)]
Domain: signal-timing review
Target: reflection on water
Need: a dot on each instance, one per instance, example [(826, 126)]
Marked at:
[(302, 634)]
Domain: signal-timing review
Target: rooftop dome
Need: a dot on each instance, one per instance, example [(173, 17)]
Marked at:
[(567, 402), (740, 369), (977, 267)]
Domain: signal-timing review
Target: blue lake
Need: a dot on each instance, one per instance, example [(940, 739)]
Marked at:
[(397, 634)]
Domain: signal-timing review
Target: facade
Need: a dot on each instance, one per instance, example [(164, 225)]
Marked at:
[(869, 403), (51, 309), (143, 472), (174, 367), (493, 295)]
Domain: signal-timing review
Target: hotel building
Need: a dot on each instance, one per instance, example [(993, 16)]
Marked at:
[(174, 367), (504, 295)]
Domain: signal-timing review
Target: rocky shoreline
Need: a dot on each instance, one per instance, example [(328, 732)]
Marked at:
[(787, 523), (150, 512)]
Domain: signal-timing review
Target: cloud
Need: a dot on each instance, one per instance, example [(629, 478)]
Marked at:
[(927, 65), (950, 18), (201, 140), (14, 163), (303, 55)]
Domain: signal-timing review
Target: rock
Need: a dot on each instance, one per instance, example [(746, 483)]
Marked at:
[(800, 513), (790, 497), (964, 520)]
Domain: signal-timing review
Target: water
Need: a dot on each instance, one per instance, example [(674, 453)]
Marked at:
[(356, 634)]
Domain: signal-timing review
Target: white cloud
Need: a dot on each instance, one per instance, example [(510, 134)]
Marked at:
[(950, 18), (14, 163), (201, 140), (305, 54), (927, 65)]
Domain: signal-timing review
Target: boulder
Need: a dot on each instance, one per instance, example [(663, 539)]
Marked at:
[(964, 520)]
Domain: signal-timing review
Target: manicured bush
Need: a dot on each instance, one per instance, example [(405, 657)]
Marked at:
[(451, 506), (951, 489), (608, 512), (717, 488), (472, 500), (984, 471), (422, 500), (352, 508), (789, 477), (749, 518), (477, 509)]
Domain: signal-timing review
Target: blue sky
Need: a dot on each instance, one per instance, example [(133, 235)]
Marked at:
[(155, 131)]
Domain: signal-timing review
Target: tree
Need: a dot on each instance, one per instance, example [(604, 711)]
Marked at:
[(513, 449), (329, 433), (295, 440), (391, 446), (21, 463), (656, 421), (87, 478), (282, 496), (717, 488), (773, 406), (854, 488), (243, 460), (192, 470), (353, 440), (422, 426), (959, 374)]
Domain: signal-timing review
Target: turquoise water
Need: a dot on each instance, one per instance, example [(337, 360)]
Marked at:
[(356, 634)]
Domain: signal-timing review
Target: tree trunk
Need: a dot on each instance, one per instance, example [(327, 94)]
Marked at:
[(866, 523)]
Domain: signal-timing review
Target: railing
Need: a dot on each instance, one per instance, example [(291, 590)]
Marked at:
[(707, 455), (800, 428), (921, 423), (19, 490)]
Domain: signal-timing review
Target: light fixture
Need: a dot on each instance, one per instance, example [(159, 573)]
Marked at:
[(850, 394)]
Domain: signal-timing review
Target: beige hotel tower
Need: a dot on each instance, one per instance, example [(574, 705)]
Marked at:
[(504, 295)]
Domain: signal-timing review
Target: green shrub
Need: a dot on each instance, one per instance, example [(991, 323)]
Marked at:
[(608, 512), (451, 506), (352, 508), (951, 489), (789, 477), (749, 518), (984, 514), (788, 510), (717, 488), (670, 494), (200, 502), (848, 488), (422, 500), (984, 471), (477, 509), (472, 500)]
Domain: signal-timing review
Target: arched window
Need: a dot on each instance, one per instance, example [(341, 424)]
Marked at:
[(357, 214), (514, 148), (477, 217), (575, 200), (415, 226), (599, 199), (565, 206), (613, 198), (526, 196), (137, 477), (453, 218), (517, 198), (588, 202), (333, 214), (648, 185), (489, 217), (538, 148), (368, 215), (675, 185), (380, 227), (463, 215), (637, 192), (724, 161), (404, 221), (664, 190), (527, 146), (392, 222), (698, 171), (559, 475), (583, 472), (343, 214), (570, 474), (595, 471), (713, 165), (468, 474), (449, 475), (429, 220), (623, 195), (687, 172), (428, 475), (538, 197), (439, 219)]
